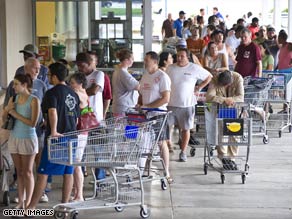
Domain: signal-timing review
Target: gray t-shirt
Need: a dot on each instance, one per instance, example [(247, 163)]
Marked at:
[(124, 95)]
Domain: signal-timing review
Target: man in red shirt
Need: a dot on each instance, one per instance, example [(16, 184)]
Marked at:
[(248, 57), (254, 27)]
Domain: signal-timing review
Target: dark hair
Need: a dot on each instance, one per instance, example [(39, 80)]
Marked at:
[(80, 78), (153, 55), (212, 19), (163, 57), (283, 35), (255, 19), (183, 49), (59, 70), (210, 44), (84, 57), (225, 78), (186, 23), (200, 19), (211, 27), (267, 49), (24, 78), (123, 54), (240, 20), (63, 61), (239, 28), (215, 8)]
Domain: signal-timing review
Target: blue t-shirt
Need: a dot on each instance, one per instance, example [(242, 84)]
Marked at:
[(178, 25)]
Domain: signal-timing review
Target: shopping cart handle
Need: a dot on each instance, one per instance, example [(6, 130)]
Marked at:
[(154, 110)]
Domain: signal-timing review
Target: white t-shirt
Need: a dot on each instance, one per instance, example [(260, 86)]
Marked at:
[(152, 85), (183, 82), (96, 101)]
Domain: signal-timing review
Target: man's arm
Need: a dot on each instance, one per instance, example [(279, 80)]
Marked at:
[(260, 68), (93, 89), (204, 83), (211, 95), (53, 120), (165, 96)]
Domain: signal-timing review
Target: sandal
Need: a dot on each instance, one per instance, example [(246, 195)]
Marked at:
[(169, 180)]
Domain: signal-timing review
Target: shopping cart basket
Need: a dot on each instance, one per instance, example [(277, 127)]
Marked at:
[(113, 146), (228, 126), (151, 142)]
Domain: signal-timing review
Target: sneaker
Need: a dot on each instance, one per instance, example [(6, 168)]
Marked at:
[(44, 198), (182, 157), (15, 200), (48, 187)]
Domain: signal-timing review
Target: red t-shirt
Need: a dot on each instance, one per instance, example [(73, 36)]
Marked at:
[(107, 90), (247, 58), (253, 30)]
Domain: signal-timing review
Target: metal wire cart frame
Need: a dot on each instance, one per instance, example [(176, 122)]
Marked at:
[(114, 146), (256, 92), (228, 126), (279, 98)]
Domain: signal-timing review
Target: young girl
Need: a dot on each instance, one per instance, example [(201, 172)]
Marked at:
[(23, 142), (78, 84)]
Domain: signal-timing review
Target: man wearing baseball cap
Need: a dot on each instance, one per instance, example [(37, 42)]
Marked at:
[(29, 51), (178, 24)]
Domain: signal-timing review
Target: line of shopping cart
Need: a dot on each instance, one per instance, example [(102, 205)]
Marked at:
[(279, 100), (118, 146), (228, 128), (256, 93)]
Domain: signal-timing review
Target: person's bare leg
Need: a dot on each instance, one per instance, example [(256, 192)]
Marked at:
[(78, 183), (165, 156), (67, 187), (28, 177), (20, 184), (38, 191), (185, 137)]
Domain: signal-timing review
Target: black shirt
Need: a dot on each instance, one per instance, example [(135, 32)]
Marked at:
[(66, 102)]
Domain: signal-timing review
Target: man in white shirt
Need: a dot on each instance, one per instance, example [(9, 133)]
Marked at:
[(184, 76), (95, 83), (154, 93)]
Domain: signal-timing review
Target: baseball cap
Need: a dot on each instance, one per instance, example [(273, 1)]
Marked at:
[(271, 29), (31, 49), (182, 43), (182, 12)]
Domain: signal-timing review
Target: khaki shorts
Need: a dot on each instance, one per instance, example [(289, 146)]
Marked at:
[(23, 146), (183, 117)]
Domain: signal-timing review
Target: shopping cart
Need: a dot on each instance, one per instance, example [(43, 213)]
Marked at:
[(197, 137), (256, 93), (151, 142), (6, 167), (114, 146), (280, 95), (228, 126)]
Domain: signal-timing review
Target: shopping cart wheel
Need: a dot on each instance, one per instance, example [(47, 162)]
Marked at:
[(265, 139), (222, 179), (6, 198), (193, 152), (246, 168), (119, 208), (280, 134), (243, 178), (205, 169), (290, 128), (163, 184), (59, 215), (74, 215), (197, 128), (144, 213)]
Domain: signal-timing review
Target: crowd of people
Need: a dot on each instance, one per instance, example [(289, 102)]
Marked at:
[(47, 102)]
